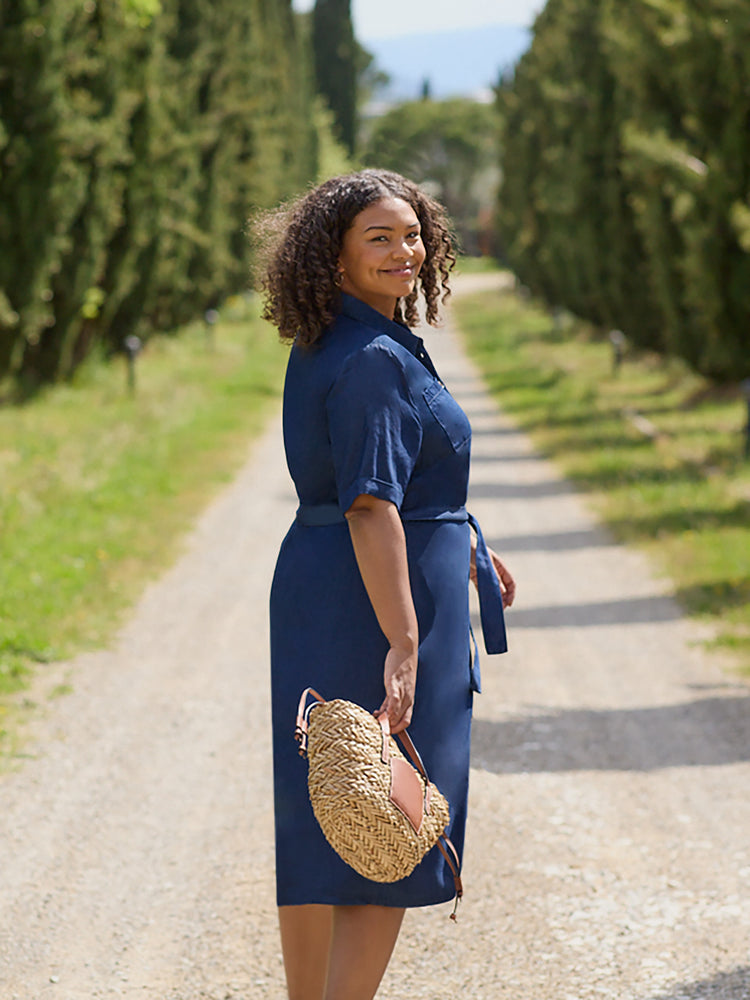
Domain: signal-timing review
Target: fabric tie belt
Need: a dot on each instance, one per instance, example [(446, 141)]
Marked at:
[(488, 587)]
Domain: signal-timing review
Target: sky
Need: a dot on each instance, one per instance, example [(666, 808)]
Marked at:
[(389, 18)]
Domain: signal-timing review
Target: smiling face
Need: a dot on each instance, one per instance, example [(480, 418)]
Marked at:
[(382, 254)]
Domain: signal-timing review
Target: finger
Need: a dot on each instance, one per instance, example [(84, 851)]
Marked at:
[(398, 712), (392, 708), (402, 723), (396, 715), (507, 582)]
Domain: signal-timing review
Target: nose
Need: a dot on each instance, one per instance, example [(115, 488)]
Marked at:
[(403, 251)]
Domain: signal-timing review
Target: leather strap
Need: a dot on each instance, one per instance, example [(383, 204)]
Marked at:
[(411, 750), (449, 852), (416, 760), (303, 714)]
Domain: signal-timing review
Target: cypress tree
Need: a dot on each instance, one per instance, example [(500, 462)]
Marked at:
[(65, 110), (336, 60), (683, 74), (136, 136), (564, 218), (626, 182), (40, 182)]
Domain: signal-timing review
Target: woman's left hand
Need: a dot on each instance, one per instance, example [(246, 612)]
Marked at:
[(507, 583)]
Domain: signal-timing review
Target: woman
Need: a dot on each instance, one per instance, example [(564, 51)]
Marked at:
[(369, 599)]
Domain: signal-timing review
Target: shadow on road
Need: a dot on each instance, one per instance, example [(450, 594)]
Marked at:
[(725, 986), (553, 541), (705, 733), (500, 457), (626, 611), (521, 491), (494, 432), (475, 411)]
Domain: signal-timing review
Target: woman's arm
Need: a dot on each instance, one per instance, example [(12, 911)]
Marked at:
[(380, 548)]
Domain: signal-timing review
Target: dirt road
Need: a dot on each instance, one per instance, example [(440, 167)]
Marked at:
[(608, 846)]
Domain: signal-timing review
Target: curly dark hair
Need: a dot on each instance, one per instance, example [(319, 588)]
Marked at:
[(299, 245)]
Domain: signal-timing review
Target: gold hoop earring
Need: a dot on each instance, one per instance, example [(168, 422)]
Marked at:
[(339, 279)]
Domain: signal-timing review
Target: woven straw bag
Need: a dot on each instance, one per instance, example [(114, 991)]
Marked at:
[(379, 813)]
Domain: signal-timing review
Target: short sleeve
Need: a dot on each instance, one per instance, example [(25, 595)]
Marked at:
[(374, 427)]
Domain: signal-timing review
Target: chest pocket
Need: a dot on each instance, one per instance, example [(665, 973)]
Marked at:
[(448, 414)]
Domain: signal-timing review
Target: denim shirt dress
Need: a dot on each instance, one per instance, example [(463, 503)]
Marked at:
[(365, 412)]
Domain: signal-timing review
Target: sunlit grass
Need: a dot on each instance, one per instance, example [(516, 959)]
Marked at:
[(658, 449), (475, 265), (98, 485)]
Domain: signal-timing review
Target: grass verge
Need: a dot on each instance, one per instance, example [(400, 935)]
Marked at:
[(658, 449), (98, 484)]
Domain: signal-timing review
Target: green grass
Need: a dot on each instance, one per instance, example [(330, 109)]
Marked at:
[(98, 485), (475, 265), (680, 491)]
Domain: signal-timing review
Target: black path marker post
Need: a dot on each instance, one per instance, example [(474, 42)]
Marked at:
[(617, 340), (745, 387), (132, 347)]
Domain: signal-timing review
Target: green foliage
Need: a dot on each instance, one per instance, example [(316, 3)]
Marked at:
[(338, 61), (136, 137), (681, 491), (141, 12), (450, 147), (626, 193), (333, 158)]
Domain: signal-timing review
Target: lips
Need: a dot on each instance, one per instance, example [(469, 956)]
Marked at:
[(400, 272)]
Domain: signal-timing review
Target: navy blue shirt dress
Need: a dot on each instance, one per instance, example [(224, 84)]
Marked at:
[(365, 412)]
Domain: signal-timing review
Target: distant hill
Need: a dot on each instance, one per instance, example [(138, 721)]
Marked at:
[(463, 62)]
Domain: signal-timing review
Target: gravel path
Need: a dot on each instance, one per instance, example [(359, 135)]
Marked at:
[(608, 849)]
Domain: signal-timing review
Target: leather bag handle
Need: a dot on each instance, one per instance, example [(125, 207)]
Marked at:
[(303, 715), (444, 844)]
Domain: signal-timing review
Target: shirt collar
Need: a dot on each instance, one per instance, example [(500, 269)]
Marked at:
[(359, 310)]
